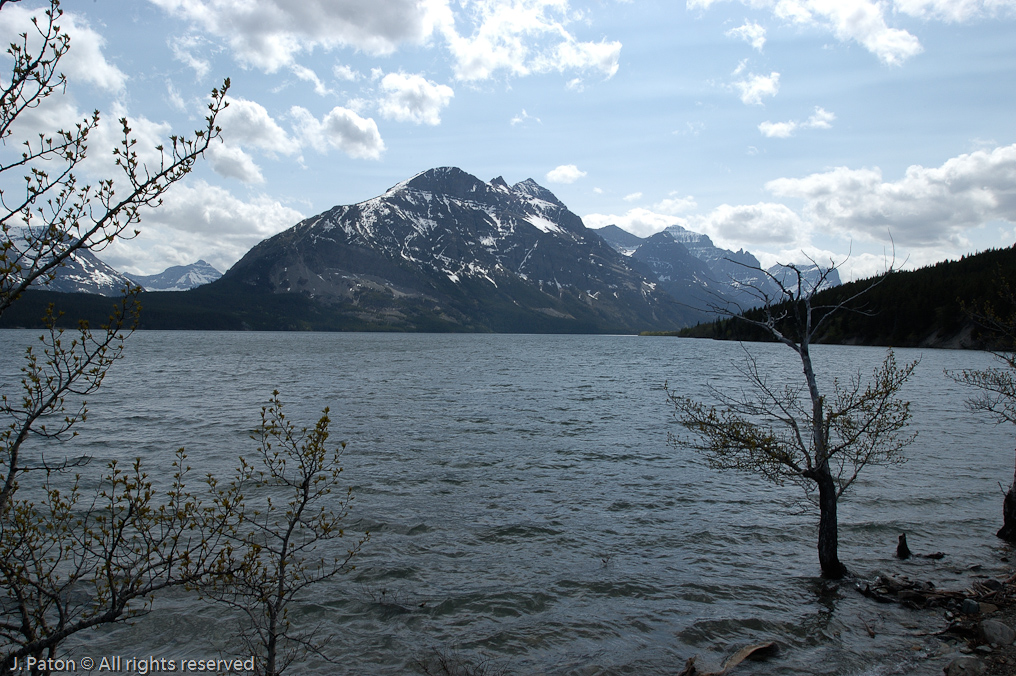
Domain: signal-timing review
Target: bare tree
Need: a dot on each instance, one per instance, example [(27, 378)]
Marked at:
[(997, 386), (285, 540), (95, 550), (794, 432)]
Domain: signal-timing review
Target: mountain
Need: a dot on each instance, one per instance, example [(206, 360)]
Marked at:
[(83, 272), (177, 278), (719, 278), (445, 250)]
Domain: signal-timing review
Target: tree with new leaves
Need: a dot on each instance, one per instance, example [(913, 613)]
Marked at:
[(285, 542), (78, 551), (996, 386), (795, 432)]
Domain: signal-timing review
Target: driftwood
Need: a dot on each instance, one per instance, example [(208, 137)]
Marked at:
[(908, 593), (758, 651)]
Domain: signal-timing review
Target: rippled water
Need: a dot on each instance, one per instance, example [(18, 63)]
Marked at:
[(525, 505)]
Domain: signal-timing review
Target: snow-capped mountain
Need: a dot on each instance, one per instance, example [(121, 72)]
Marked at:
[(177, 277), (445, 250), (83, 272), (690, 260)]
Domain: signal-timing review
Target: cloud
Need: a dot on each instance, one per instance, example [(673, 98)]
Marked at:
[(233, 162), (820, 119), (483, 37), (522, 117), (927, 207), (756, 86), (762, 224), (566, 173), (343, 72), (198, 220), (777, 129), (269, 34), (752, 33), (954, 10), (676, 205), (308, 75), (342, 129), (521, 37), (413, 98), (861, 21), (85, 61), (183, 50), (632, 197), (247, 123), (638, 221)]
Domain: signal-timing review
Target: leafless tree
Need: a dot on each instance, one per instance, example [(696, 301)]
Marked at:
[(794, 432)]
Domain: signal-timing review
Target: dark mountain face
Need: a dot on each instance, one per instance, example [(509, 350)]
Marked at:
[(447, 250)]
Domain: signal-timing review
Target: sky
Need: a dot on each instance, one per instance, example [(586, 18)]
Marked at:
[(859, 132)]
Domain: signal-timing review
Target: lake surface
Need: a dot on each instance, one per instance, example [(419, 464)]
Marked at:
[(525, 506)]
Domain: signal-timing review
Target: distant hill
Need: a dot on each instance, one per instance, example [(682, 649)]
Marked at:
[(920, 308)]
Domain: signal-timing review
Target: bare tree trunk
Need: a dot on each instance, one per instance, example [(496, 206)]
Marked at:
[(828, 538), (1008, 530)]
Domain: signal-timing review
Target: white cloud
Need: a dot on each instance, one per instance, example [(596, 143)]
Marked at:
[(343, 72), (413, 98), (84, 62), (308, 75), (566, 173), (638, 221), (752, 33), (632, 197), (927, 207), (198, 220), (233, 162), (521, 37), (522, 117), (183, 51), (777, 129), (676, 205), (820, 119), (756, 86), (247, 123), (342, 129), (954, 10), (762, 224), (483, 36), (861, 21), (268, 34), (575, 85)]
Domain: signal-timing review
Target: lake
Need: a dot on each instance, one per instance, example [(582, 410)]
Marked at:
[(525, 505)]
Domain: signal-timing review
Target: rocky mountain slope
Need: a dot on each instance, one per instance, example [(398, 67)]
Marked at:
[(445, 250), (85, 273)]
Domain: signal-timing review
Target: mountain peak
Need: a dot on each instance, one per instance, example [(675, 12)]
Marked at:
[(448, 181), (534, 189)]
